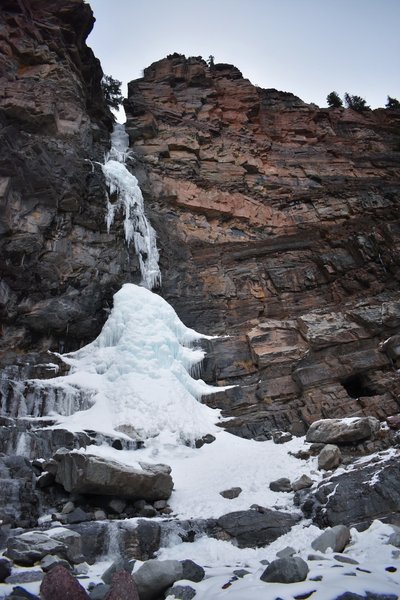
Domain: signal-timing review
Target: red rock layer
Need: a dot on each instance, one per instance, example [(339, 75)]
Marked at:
[(278, 225)]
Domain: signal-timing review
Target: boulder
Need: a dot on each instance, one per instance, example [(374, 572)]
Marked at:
[(123, 587), (116, 567), (343, 431), (20, 593), (49, 562), (72, 541), (89, 474), (181, 592), (281, 485), (5, 569), (155, 576), (192, 571), (302, 483), (28, 548), (359, 496), (329, 458), (59, 583), (335, 538), (253, 528), (231, 493), (286, 570)]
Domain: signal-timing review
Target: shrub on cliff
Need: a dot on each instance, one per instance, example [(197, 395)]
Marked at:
[(356, 103), (112, 91), (392, 103), (334, 101)]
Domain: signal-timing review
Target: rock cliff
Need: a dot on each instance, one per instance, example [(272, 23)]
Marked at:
[(278, 225), (59, 266)]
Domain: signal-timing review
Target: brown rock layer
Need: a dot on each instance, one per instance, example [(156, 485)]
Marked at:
[(278, 225)]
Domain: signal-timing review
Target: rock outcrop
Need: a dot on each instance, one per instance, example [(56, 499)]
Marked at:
[(59, 265), (277, 223)]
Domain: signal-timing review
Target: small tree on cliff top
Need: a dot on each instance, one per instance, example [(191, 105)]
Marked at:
[(392, 103), (334, 100), (356, 103), (112, 91)]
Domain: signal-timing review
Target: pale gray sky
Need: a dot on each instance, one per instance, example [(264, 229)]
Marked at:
[(307, 47)]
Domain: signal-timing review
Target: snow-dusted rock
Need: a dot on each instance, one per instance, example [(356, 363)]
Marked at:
[(342, 431), (155, 576), (181, 592), (49, 562), (253, 528), (72, 541), (286, 570), (329, 458), (30, 547), (89, 474), (336, 538)]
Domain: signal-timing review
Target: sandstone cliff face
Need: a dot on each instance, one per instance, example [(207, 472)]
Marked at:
[(278, 225), (59, 266)]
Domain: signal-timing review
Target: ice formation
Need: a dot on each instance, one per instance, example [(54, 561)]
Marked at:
[(125, 194), (139, 369)]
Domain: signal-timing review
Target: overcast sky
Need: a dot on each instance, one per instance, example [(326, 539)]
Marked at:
[(307, 47)]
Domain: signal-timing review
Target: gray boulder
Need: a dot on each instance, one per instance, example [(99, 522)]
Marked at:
[(336, 538), (115, 567), (181, 592), (286, 570), (255, 528), (351, 498), (343, 431), (30, 547), (281, 485), (394, 539), (72, 541), (89, 474), (49, 562), (329, 458), (231, 493), (155, 576), (302, 483), (192, 571), (5, 569)]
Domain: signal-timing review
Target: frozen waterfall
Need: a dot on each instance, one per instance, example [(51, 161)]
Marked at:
[(125, 195)]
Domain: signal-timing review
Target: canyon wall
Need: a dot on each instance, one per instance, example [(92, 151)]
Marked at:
[(59, 266), (278, 226)]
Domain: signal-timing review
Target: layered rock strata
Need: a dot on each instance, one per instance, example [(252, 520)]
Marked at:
[(278, 225)]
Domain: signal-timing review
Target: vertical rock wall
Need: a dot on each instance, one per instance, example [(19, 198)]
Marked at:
[(278, 224)]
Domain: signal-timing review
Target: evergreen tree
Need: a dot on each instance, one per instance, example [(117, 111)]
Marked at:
[(356, 103), (112, 91), (392, 103), (333, 100)]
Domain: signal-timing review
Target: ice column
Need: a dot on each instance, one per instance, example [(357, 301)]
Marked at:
[(125, 194)]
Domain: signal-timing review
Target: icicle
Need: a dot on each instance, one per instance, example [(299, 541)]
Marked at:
[(124, 186)]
